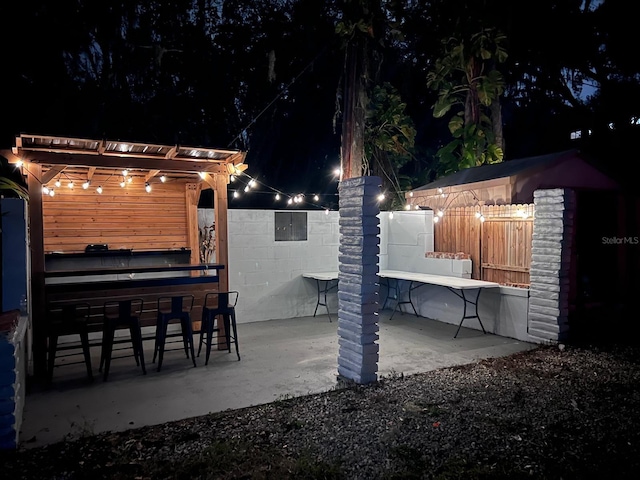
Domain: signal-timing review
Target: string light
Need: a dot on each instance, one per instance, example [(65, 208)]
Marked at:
[(390, 215), (236, 194), (57, 184), (125, 173), (70, 185), (85, 185), (45, 190), (99, 189), (316, 198), (129, 179), (277, 196), (407, 207), (52, 192), (147, 187), (232, 178), (435, 219), (203, 175), (163, 179), (122, 183)]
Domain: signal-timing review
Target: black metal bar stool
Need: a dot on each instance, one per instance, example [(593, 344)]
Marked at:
[(219, 304), (178, 310), (68, 320), (122, 314)]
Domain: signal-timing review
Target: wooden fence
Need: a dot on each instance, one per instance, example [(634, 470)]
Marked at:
[(499, 240)]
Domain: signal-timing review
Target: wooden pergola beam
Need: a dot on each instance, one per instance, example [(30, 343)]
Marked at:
[(131, 162), (151, 174), (51, 174)]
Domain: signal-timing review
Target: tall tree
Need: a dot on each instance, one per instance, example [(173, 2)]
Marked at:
[(466, 77)]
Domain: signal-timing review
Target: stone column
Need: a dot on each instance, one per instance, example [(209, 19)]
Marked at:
[(358, 279), (553, 226)]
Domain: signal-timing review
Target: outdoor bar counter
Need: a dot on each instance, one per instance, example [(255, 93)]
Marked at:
[(99, 285)]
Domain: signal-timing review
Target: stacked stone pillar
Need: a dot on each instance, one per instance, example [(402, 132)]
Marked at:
[(358, 279), (553, 227)]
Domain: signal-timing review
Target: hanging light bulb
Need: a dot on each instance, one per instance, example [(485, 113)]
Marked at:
[(236, 194), (147, 187), (202, 175), (290, 201), (163, 179), (316, 198), (482, 218), (52, 192), (129, 179), (45, 190), (99, 189), (417, 207), (123, 183), (440, 213), (57, 184), (232, 178), (381, 197), (478, 214), (246, 188), (390, 215), (252, 183), (70, 185), (435, 219), (407, 207), (85, 185), (125, 173), (277, 196), (411, 194), (19, 163), (326, 212)]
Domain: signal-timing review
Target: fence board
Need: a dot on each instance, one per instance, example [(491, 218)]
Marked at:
[(500, 247)]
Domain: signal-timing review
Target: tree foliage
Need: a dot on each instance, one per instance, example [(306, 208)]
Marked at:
[(466, 78)]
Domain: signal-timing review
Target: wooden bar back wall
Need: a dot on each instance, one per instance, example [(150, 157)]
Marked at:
[(126, 217)]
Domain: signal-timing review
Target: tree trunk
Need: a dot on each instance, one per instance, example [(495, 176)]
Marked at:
[(355, 101)]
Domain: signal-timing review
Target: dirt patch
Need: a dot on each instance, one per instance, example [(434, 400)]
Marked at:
[(545, 413)]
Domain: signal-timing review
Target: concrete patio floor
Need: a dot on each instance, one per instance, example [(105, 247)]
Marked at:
[(280, 358)]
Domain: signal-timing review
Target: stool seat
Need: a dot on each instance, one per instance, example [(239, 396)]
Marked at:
[(68, 320), (174, 308), (122, 314), (219, 304)]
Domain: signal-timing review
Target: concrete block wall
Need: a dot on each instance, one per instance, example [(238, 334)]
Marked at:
[(268, 274), (553, 226), (13, 370), (404, 238)]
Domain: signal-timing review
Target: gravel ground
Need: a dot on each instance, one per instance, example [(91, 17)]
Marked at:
[(552, 412)]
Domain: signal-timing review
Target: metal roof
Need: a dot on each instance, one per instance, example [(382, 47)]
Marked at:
[(496, 170)]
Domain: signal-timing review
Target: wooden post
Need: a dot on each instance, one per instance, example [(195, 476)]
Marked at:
[(192, 192), (222, 247), (38, 298)]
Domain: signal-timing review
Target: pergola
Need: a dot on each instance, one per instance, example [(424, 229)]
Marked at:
[(109, 180)]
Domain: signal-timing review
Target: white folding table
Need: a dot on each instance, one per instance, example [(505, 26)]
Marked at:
[(325, 283), (456, 285)]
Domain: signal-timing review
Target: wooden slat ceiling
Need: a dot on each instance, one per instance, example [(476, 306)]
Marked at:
[(82, 159)]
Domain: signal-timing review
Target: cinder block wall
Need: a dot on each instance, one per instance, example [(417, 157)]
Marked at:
[(13, 369), (404, 239), (268, 274)]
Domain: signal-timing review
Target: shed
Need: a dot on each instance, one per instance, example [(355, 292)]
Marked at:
[(513, 181), (90, 195), (601, 250)]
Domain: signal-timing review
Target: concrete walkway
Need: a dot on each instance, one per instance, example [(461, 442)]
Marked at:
[(280, 358)]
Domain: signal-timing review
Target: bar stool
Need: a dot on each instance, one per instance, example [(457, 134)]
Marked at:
[(219, 304), (178, 310), (122, 314), (68, 320)]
